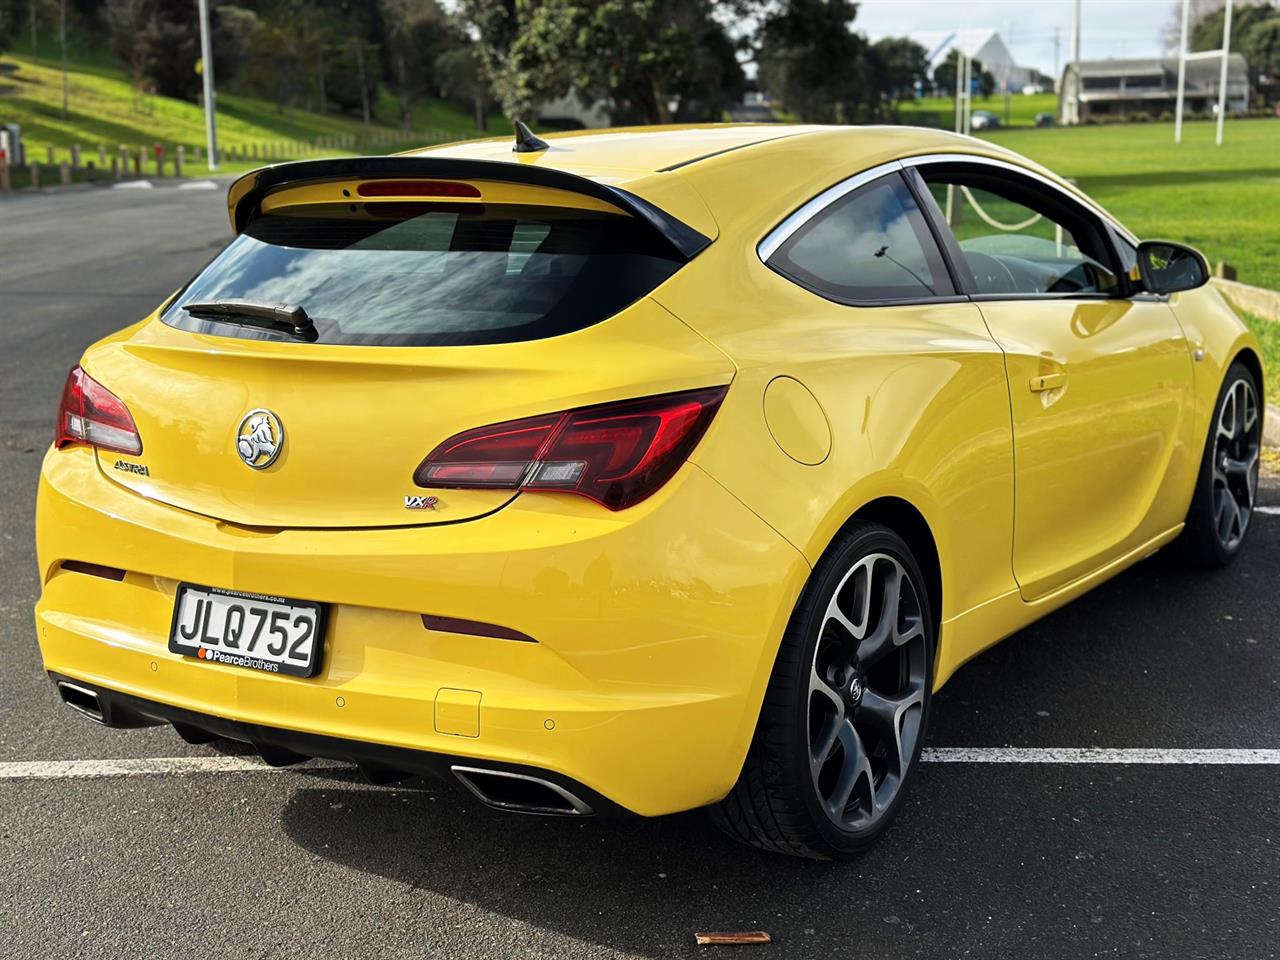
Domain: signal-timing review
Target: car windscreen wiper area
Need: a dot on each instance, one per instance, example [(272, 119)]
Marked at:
[(256, 313)]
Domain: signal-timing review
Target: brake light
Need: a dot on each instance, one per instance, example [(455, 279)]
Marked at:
[(616, 454), (417, 188), (93, 415)]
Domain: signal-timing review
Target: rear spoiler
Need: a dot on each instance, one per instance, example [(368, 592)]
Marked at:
[(246, 194)]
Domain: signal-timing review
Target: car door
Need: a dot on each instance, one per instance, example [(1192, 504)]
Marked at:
[(1100, 379)]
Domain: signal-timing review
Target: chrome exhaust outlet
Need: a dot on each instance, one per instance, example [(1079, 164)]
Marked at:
[(520, 793), (82, 700)]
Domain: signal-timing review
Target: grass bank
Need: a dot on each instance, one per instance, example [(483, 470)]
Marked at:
[(105, 109)]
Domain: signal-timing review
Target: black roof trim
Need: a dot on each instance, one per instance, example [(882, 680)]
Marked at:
[(736, 146), (247, 193)]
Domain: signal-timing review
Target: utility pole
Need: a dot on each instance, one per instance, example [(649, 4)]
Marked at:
[(206, 71), (1222, 76), (1182, 74), (1057, 69), (63, 32), (1075, 31), (35, 48), (959, 87), (1008, 69)]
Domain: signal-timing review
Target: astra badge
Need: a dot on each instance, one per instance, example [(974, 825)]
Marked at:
[(420, 503), (259, 439)]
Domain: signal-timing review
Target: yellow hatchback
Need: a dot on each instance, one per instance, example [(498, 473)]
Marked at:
[(642, 469)]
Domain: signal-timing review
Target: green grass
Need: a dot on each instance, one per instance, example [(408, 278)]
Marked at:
[(941, 111), (1223, 200), (1268, 334), (105, 109)]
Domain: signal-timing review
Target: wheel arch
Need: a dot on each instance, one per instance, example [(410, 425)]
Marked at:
[(905, 519), (1249, 357)]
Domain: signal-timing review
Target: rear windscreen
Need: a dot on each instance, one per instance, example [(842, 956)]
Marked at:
[(429, 274)]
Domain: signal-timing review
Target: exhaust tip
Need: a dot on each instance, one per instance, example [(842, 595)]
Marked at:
[(82, 700), (520, 793)]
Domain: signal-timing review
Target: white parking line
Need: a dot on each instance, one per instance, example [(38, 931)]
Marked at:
[(169, 766), (1270, 511), (1139, 755), (154, 766)]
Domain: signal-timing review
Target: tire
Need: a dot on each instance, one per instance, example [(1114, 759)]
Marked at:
[(1227, 486), (786, 802)]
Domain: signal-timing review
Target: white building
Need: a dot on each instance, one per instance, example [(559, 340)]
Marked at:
[(979, 44)]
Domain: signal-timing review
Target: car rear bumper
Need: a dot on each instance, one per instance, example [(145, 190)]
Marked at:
[(652, 632)]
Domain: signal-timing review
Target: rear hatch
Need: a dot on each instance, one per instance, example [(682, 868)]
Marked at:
[(436, 306)]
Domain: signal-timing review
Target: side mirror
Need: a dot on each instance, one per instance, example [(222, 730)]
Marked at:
[(1168, 267)]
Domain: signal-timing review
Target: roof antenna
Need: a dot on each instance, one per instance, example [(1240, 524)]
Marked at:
[(527, 141)]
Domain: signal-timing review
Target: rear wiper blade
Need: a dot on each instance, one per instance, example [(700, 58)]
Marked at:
[(256, 313)]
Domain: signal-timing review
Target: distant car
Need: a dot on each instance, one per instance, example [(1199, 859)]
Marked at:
[(1031, 89), (683, 486), (983, 120), (1045, 120)]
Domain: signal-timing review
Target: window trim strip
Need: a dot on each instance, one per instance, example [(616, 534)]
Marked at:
[(779, 235), (1080, 199)]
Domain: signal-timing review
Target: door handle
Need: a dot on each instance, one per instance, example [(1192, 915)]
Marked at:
[(1047, 381)]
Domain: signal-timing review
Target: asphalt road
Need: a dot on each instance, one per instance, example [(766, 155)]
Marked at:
[(1012, 860)]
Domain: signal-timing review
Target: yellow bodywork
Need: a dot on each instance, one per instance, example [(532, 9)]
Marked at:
[(657, 626)]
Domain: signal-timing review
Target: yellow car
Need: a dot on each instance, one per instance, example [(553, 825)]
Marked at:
[(642, 469)]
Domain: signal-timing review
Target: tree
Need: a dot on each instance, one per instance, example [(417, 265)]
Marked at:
[(1255, 34), (460, 79), (156, 43), (813, 63), (944, 76), (653, 60), (8, 23), (899, 64), (496, 26), (417, 32)]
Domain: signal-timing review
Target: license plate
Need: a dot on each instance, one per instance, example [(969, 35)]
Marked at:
[(248, 630)]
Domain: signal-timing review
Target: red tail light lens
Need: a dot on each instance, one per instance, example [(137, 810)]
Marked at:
[(93, 415), (617, 454)]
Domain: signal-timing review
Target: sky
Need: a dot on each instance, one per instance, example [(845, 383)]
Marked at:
[(1109, 28)]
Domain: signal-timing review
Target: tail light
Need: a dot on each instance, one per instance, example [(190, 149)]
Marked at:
[(616, 454), (92, 414)]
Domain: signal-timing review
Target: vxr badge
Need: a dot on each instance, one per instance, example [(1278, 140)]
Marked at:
[(420, 503)]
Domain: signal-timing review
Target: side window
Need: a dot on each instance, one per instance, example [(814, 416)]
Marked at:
[(871, 245), (1016, 238)]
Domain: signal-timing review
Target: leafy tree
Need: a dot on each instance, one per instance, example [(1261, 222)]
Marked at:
[(944, 76), (416, 32), (1255, 34), (8, 23), (156, 42), (655, 60), (899, 64), (496, 26), (813, 62), (460, 79)]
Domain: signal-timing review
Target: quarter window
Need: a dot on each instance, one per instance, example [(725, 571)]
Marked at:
[(872, 245)]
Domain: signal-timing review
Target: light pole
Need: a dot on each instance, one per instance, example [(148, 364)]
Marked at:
[(1182, 74), (62, 31), (206, 71)]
